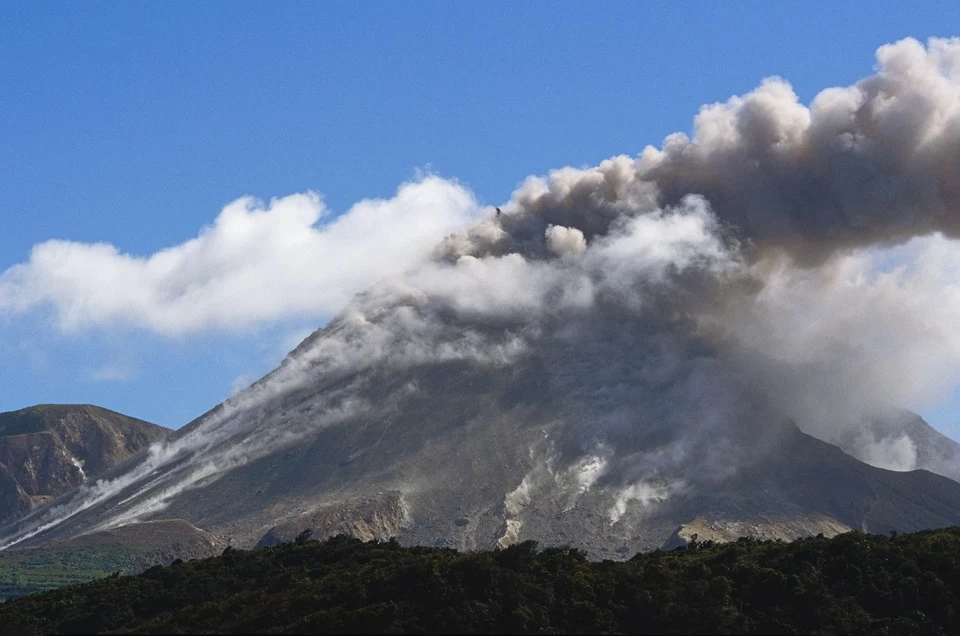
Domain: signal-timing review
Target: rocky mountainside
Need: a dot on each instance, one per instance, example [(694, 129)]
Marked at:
[(475, 455), (51, 449)]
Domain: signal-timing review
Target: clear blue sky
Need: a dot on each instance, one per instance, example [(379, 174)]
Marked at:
[(134, 123)]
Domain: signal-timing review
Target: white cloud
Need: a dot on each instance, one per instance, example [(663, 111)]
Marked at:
[(256, 263)]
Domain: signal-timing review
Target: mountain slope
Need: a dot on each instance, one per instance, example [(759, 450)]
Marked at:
[(808, 480), (127, 550), (474, 455), (48, 450), (903, 441)]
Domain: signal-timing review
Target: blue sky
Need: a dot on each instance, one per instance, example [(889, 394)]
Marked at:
[(134, 124)]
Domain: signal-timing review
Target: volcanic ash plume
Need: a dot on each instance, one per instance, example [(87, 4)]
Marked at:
[(872, 163)]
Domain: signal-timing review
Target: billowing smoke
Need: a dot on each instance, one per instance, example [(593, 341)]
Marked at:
[(784, 264), (831, 284), (872, 163)]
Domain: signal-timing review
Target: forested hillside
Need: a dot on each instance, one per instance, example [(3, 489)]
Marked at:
[(851, 583)]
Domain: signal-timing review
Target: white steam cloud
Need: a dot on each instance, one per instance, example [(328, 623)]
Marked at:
[(256, 263)]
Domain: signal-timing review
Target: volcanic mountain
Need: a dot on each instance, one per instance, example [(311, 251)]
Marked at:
[(48, 450), (560, 445), (620, 356)]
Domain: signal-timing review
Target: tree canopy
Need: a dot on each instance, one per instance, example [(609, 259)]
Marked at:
[(853, 583)]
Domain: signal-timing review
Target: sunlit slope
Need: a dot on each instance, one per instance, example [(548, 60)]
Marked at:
[(48, 450), (472, 456)]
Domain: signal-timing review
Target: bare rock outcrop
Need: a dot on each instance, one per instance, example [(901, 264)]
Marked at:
[(369, 518), (48, 450)]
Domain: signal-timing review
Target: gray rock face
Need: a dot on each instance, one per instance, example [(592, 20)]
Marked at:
[(49, 450), (369, 519)]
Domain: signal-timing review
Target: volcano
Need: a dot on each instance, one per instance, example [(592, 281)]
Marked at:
[(684, 342), (570, 444)]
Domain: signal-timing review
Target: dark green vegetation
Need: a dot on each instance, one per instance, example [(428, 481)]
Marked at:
[(851, 583), (128, 550), (27, 571)]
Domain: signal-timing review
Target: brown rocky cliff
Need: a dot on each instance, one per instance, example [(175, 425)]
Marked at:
[(48, 450)]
